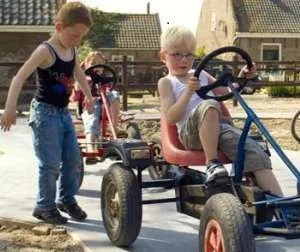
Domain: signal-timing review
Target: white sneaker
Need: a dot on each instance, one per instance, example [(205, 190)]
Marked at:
[(215, 170)]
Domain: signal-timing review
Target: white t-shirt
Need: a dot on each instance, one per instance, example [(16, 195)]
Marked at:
[(178, 87)]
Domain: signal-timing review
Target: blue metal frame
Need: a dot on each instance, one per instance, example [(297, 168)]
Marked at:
[(280, 227), (252, 118)]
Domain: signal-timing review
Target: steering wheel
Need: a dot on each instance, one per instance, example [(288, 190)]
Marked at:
[(225, 78), (108, 76)]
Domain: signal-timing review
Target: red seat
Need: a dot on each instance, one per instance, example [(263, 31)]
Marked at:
[(174, 152)]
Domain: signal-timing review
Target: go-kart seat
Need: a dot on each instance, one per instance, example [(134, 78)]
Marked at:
[(174, 152)]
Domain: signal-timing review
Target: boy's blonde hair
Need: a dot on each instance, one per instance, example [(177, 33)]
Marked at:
[(177, 35), (95, 57), (73, 13)]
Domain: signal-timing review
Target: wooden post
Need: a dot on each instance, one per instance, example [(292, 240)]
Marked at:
[(125, 83), (235, 73), (294, 78)]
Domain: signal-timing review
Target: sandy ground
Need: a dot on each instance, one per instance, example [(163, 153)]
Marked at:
[(20, 236)]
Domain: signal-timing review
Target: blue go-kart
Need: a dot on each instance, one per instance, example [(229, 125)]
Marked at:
[(231, 212)]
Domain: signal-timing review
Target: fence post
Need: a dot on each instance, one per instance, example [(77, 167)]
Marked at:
[(235, 73), (295, 76), (125, 83)]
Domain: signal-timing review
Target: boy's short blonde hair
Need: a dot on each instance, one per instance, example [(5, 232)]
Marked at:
[(177, 35)]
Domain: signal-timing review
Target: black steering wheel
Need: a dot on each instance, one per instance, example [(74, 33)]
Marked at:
[(107, 76), (225, 78)]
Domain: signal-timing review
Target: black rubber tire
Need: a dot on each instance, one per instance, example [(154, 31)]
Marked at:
[(120, 187), (81, 172), (158, 171), (133, 131), (236, 229), (295, 126)]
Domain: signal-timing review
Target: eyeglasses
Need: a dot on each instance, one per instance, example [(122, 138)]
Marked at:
[(181, 56)]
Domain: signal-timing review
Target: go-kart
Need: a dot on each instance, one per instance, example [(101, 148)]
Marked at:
[(102, 83), (230, 212)]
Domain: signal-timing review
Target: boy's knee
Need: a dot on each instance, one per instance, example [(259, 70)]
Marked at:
[(209, 108), (213, 104)]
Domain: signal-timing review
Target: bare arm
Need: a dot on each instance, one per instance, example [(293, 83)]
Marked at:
[(219, 90), (170, 107), (39, 57)]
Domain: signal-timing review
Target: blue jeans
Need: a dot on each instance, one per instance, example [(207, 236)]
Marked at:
[(57, 152), (91, 122)]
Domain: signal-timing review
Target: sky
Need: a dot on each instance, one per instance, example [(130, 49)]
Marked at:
[(171, 12)]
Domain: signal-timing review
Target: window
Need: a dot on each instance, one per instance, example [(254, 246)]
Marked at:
[(131, 67), (117, 58), (272, 52), (130, 58)]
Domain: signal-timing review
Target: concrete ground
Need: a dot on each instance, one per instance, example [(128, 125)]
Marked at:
[(162, 228)]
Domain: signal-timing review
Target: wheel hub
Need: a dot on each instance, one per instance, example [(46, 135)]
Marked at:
[(114, 205), (214, 240)]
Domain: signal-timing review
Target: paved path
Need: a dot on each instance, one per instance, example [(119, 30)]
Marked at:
[(162, 228)]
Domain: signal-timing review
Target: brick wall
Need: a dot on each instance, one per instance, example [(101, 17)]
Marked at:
[(216, 25), (17, 47)]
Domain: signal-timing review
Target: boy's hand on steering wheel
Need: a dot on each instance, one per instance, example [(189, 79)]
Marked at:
[(248, 73), (193, 84)]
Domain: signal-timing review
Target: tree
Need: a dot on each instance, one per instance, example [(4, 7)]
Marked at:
[(101, 33), (200, 52)]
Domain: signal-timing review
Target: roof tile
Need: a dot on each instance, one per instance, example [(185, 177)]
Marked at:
[(27, 12), (268, 15), (138, 31)]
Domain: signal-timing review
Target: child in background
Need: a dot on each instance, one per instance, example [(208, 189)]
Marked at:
[(54, 138), (91, 122), (200, 123)]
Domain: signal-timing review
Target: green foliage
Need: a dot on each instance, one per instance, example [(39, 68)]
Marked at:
[(101, 34), (84, 49), (281, 91), (200, 52)]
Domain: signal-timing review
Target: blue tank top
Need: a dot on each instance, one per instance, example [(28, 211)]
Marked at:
[(55, 83)]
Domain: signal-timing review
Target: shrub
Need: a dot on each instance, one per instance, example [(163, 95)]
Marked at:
[(281, 91)]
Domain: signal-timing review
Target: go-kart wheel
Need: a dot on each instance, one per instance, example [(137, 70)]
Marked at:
[(121, 205), (225, 226), (133, 131), (225, 78), (158, 171), (81, 172), (295, 127), (108, 76)]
